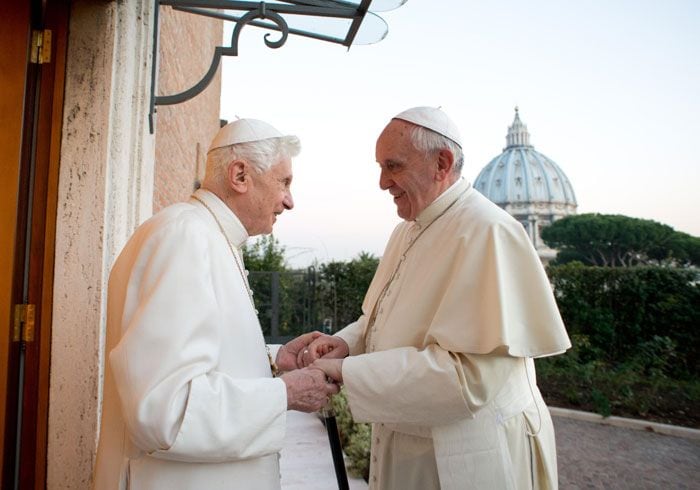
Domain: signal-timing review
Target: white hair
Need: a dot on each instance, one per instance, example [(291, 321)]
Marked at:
[(427, 141), (261, 155)]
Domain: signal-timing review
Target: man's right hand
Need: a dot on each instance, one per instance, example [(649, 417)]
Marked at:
[(308, 389), (289, 353), (324, 346)]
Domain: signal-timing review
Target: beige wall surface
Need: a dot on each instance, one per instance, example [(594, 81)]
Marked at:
[(185, 130), (105, 190)]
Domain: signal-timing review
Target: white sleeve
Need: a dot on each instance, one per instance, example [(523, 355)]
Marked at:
[(353, 335), (427, 387), (175, 402)]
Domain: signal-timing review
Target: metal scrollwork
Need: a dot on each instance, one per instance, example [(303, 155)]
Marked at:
[(259, 13)]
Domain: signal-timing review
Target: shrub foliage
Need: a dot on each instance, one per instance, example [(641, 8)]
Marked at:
[(636, 339), (632, 312)]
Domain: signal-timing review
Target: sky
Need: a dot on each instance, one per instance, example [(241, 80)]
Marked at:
[(609, 90)]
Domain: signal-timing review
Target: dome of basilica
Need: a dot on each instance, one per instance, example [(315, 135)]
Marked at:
[(528, 185)]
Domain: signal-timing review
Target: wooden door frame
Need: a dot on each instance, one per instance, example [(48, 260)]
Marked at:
[(15, 36), (41, 136)]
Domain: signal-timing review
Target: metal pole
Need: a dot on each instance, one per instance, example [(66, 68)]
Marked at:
[(275, 297), (336, 449)]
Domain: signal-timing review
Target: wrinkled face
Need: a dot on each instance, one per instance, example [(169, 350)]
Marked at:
[(270, 195), (405, 172)]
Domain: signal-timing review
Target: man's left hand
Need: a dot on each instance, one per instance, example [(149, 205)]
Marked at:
[(289, 352)]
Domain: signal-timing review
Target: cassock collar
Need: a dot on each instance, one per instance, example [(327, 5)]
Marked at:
[(233, 228), (441, 203)]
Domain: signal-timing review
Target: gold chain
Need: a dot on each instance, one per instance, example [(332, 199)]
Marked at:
[(273, 365)]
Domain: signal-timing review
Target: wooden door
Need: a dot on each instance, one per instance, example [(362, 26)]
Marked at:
[(14, 37), (32, 65)]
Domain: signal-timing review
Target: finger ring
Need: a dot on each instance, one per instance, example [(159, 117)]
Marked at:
[(306, 351)]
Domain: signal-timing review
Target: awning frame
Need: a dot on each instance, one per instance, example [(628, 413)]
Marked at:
[(259, 14)]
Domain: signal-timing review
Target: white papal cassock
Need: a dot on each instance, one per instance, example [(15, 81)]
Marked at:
[(189, 400), (445, 371)]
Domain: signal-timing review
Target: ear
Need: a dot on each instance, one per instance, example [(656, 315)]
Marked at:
[(445, 164), (238, 176)]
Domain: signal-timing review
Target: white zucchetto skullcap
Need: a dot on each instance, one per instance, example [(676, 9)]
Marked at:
[(434, 119), (243, 131)]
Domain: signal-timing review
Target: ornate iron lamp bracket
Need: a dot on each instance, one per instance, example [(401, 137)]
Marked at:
[(260, 14)]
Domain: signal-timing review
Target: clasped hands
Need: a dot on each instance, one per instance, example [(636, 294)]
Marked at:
[(312, 365)]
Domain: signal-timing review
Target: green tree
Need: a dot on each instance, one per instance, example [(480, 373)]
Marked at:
[(686, 248), (620, 241), (265, 260), (265, 254), (343, 286)]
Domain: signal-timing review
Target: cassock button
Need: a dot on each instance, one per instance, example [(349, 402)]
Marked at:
[(247, 272), (374, 478), (374, 459), (256, 312)]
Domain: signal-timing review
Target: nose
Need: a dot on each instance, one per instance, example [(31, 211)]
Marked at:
[(288, 201), (385, 181)]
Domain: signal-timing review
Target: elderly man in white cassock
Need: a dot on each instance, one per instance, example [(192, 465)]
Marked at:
[(190, 401), (441, 358)]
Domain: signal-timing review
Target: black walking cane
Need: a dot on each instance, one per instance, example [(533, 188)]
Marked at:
[(336, 449)]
